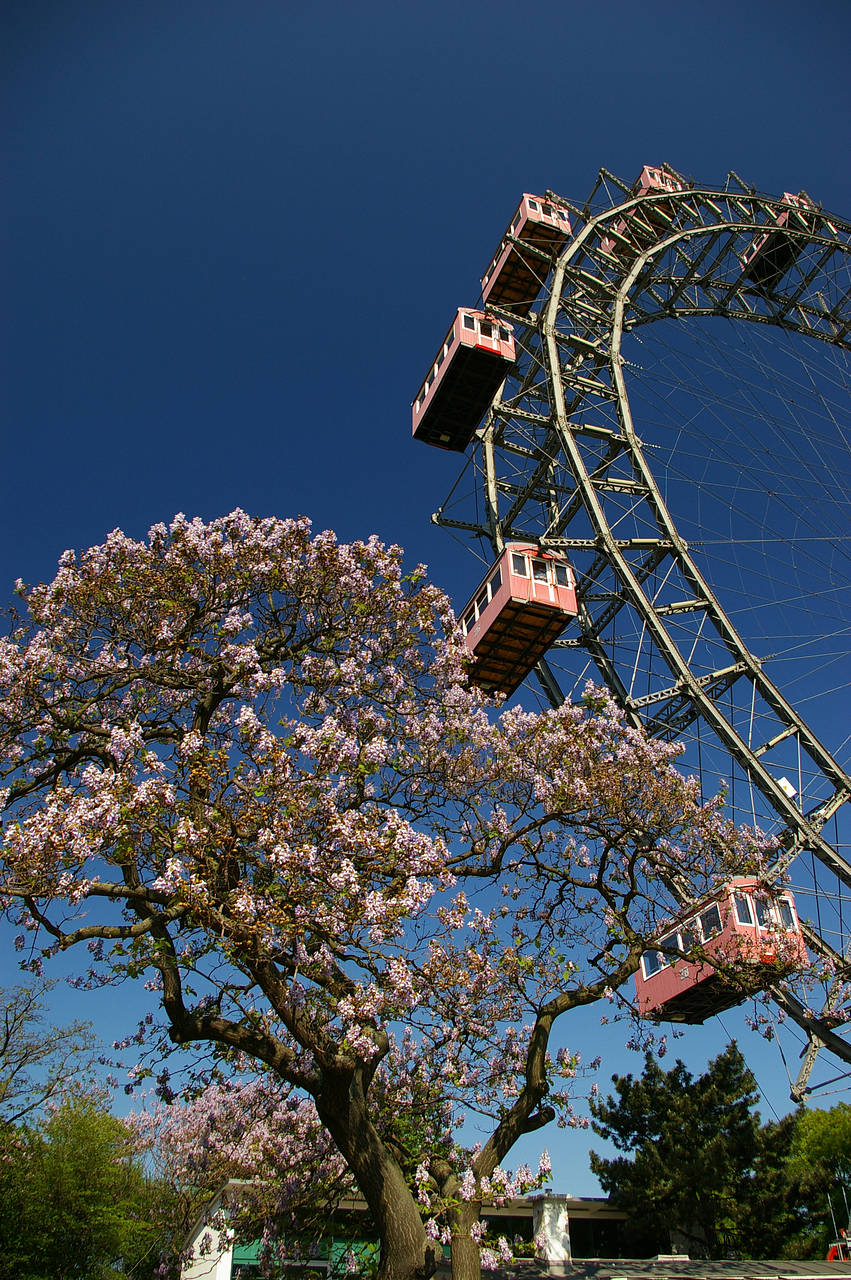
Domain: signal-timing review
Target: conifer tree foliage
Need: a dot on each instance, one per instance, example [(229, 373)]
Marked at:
[(693, 1143), (244, 766), (701, 1172)]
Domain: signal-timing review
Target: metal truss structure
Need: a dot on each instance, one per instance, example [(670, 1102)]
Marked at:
[(560, 461)]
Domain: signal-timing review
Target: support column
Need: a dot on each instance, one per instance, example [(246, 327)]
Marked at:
[(551, 1226)]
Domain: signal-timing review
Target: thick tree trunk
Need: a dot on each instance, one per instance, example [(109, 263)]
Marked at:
[(406, 1251), (466, 1257)]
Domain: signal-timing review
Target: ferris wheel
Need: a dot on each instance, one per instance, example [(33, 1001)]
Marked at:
[(655, 393)]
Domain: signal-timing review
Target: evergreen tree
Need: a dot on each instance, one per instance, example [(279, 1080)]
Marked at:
[(771, 1214), (692, 1146), (699, 1170)]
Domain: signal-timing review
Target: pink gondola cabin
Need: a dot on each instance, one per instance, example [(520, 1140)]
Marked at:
[(463, 380), (771, 253), (754, 934), (643, 225), (519, 609), (514, 277)]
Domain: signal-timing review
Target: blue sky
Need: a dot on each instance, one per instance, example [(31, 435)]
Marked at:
[(236, 232)]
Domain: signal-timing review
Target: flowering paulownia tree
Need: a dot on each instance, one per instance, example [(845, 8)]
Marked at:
[(263, 1141), (243, 765)]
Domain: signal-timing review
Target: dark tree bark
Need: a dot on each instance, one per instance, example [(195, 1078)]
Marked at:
[(406, 1251), (466, 1258)]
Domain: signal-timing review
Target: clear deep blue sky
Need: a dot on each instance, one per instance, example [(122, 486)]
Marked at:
[(236, 232)]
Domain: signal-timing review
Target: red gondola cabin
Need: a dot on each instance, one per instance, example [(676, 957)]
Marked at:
[(463, 380), (642, 225), (742, 924), (770, 254), (514, 278), (517, 612)]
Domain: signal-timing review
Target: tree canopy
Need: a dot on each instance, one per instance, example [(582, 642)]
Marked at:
[(255, 1131), (37, 1059), (74, 1200), (245, 766), (822, 1144), (701, 1172), (694, 1142)]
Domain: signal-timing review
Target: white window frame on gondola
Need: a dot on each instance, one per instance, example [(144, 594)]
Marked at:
[(481, 602), (752, 911)]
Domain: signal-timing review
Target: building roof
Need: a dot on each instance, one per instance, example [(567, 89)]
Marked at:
[(676, 1267), (673, 1267)]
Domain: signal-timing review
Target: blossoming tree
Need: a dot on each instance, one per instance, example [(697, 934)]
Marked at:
[(244, 765), (262, 1141)]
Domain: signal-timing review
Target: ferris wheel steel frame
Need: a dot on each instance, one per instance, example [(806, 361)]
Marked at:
[(559, 461)]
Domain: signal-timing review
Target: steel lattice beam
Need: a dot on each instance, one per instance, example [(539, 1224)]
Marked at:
[(561, 461)]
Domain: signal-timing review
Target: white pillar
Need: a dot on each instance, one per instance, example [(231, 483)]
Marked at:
[(216, 1260), (551, 1226)]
